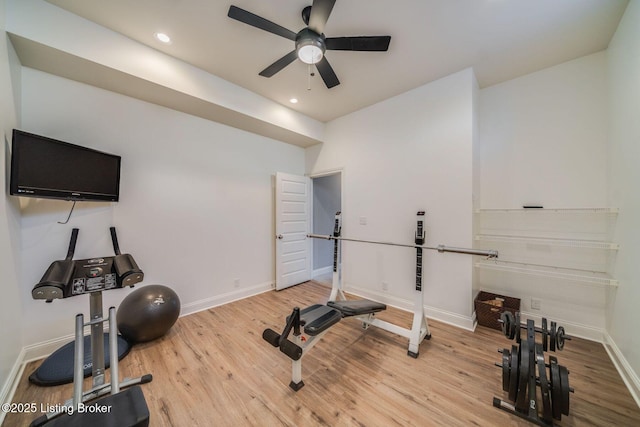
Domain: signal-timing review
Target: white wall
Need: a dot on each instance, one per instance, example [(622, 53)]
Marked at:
[(195, 209), (408, 153), (624, 141), (544, 140), (10, 306), (543, 137)]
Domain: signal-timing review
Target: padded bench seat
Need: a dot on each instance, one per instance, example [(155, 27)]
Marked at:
[(317, 318), (357, 307)]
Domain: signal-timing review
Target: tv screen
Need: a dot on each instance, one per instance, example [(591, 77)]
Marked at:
[(48, 168)]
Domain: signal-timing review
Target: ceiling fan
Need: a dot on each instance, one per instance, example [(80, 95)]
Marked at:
[(310, 42)]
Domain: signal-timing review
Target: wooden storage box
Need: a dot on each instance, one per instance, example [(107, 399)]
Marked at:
[(490, 306)]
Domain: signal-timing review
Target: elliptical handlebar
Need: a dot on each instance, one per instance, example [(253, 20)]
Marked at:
[(72, 244), (114, 240)]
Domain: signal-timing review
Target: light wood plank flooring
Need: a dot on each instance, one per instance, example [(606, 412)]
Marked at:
[(213, 368)]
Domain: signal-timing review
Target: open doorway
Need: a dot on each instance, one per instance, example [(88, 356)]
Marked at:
[(327, 200)]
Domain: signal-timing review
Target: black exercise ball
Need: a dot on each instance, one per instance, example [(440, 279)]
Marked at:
[(148, 313)]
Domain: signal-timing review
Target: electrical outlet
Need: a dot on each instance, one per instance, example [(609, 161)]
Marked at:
[(535, 304), (236, 283), (385, 286), (363, 220)]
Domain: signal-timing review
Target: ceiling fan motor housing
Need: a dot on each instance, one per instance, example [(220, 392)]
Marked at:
[(310, 46)]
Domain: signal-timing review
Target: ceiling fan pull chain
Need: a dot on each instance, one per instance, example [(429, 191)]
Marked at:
[(309, 78)]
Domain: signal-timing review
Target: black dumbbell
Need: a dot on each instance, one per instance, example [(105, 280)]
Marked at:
[(510, 329)]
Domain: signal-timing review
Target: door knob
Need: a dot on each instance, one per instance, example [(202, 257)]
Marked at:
[(280, 236)]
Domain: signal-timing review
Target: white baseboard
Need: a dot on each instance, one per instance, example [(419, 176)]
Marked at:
[(45, 348), (235, 295), (322, 271), (625, 370), (11, 384), (572, 329), (440, 315)]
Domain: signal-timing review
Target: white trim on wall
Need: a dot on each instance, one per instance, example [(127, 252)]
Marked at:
[(444, 316), (11, 384), (322, 271), (226, 298), (573, 329), (625, 370)]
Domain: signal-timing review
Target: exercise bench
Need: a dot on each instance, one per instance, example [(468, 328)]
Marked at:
[(309, 325)]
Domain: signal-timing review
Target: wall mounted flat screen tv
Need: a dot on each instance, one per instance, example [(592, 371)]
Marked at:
[(48, 168)]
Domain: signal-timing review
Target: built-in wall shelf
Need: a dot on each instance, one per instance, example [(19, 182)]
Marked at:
[(594, 278), (573, 243), (570, 244), (551, 210)]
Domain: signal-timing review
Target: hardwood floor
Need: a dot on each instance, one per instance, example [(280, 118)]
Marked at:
[(213, 368)]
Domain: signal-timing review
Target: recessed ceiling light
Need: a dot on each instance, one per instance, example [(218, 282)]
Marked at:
[(163, 37), (293, 100)]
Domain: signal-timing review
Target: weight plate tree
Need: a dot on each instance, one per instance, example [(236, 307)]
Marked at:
[(524, 370)]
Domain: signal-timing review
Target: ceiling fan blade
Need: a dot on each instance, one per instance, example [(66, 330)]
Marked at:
[(363, 43), (259, 22), (320, 11), (279, 64), (327, 73)]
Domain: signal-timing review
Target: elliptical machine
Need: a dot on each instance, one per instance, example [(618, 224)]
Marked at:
[(68, 278)]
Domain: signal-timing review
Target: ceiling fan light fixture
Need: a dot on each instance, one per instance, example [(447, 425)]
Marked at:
[(310, 46), (310, 52)]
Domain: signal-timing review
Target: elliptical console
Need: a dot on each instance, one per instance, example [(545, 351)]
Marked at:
[(67, 278)]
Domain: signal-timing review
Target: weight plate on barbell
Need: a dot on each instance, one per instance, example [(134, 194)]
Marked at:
[(506, 368), (514, 373), (545, 335), (556, 393), (560, 336), (553, 336), (504, 323), (507, 324), (523, 379), (564, 389), (516, 327), (544, 385)]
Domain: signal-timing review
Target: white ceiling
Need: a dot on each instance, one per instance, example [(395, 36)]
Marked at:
[(430, 39)]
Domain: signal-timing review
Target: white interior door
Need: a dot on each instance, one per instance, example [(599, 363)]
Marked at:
[(293, 223)]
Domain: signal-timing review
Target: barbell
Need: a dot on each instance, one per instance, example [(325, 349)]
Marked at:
[(439, 248)]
